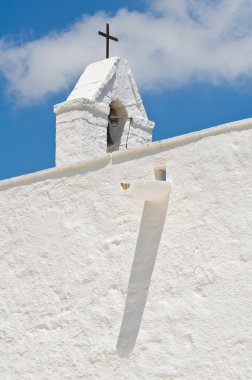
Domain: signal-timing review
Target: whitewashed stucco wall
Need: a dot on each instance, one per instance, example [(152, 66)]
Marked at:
[(67, 241)]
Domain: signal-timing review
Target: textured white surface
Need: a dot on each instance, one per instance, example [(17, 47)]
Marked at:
[(94, 79), (81, 121), (67, 242)]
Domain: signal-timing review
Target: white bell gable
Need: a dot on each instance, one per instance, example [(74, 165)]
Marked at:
[(103, 113)]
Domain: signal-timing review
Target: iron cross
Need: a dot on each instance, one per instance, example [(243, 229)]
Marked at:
[(108, 37)]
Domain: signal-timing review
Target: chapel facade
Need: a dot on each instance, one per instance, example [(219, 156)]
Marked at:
[(131, 259)]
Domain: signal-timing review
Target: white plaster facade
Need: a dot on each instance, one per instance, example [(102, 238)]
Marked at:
[(69, 236)]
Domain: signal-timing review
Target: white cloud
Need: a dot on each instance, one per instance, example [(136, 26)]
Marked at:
[(171, 44)]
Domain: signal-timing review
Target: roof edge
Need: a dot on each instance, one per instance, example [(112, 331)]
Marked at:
[(120, 156)]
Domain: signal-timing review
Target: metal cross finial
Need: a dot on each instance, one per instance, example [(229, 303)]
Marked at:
[(108, 37)]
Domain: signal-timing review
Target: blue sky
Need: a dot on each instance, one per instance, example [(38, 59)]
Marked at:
[(193, 65)]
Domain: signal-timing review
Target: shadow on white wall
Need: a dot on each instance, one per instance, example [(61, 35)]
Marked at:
[(150, 232)]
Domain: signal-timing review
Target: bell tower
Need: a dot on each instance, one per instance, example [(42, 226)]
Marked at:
[(103, 113)]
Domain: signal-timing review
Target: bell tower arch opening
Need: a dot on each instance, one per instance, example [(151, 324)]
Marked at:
[(117, 120)]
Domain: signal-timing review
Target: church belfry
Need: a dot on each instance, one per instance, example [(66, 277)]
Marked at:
[(103, 113), (118, 127)]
